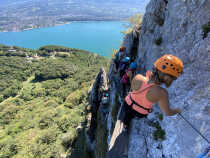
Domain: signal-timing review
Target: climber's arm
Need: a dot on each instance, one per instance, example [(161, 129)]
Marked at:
[(130, 75), (163, 102)]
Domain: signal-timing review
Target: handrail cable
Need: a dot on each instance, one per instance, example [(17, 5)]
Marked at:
[(194, 128)]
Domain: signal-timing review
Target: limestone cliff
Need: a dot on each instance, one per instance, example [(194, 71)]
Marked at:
[(181, 28)]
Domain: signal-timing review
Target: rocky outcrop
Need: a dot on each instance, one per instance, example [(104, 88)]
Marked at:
[(180, 28), (99, 101)]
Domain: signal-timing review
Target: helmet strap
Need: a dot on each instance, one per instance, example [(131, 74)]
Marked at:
[(156, 77)]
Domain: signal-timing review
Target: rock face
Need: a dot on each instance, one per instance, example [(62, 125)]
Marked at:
[(97, 130), (180, 28)]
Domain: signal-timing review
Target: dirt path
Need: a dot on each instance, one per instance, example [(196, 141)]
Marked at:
[(25, 85)]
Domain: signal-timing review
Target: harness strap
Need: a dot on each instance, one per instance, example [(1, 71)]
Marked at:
[(133, 102), (140, 91)]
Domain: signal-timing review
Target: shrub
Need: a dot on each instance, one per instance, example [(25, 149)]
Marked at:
[(64, 123), (47, 118), (159, 133), (11, 91), (26, 96), (114, 52), (15, 129), (38, 92), (18, 101), (68, 138), (14, 70), (51, 69), (42, 151), (8, 147), (1, 98), (51, 103), (47, 137), (75, 98), (44, 54), (158, 41), (135, 22), (62, 55), (160, 116), (45, 122), (8, 113), (206, 29), (53, 48)]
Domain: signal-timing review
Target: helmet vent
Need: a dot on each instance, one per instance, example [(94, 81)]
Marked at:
[(163, 67)]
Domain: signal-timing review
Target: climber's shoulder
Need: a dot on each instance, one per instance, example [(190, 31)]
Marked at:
[(157, 93), (137, 81), (139, 78)]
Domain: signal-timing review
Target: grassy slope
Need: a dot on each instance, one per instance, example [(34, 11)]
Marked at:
[(43, 101)]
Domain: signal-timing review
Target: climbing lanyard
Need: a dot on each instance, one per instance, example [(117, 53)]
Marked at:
[(194, 128)]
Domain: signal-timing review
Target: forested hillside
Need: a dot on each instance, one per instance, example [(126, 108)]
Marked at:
[(43, 99)]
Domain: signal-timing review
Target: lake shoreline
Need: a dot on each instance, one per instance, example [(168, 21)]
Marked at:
[(60, 24), (99, 37)]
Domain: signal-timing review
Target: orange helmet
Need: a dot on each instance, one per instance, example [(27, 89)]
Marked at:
[(169, 64), (122, 48)]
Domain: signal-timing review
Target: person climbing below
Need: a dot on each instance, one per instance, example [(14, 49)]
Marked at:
[(105, 103), (127, 77), (105, 97), (118, 57), (124, 65), (145, 91)]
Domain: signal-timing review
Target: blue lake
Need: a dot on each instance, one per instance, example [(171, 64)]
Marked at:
[(97, 37)]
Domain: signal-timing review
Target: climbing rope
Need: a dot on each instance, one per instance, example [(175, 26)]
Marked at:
[(194, 128)]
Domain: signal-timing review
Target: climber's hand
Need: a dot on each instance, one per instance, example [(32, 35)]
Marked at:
[(177, 111)]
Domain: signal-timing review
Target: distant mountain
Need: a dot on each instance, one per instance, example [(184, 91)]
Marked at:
[(24, 14), (95, 1)]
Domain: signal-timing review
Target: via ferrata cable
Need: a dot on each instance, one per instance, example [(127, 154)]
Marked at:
[(194, 128)]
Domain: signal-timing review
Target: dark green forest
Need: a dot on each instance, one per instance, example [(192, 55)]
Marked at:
[(43, 99)]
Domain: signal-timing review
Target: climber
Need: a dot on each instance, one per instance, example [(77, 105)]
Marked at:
[(145, 91), (105, 103), (127, 77), (105, 97), (124, 65), (118, 57)]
